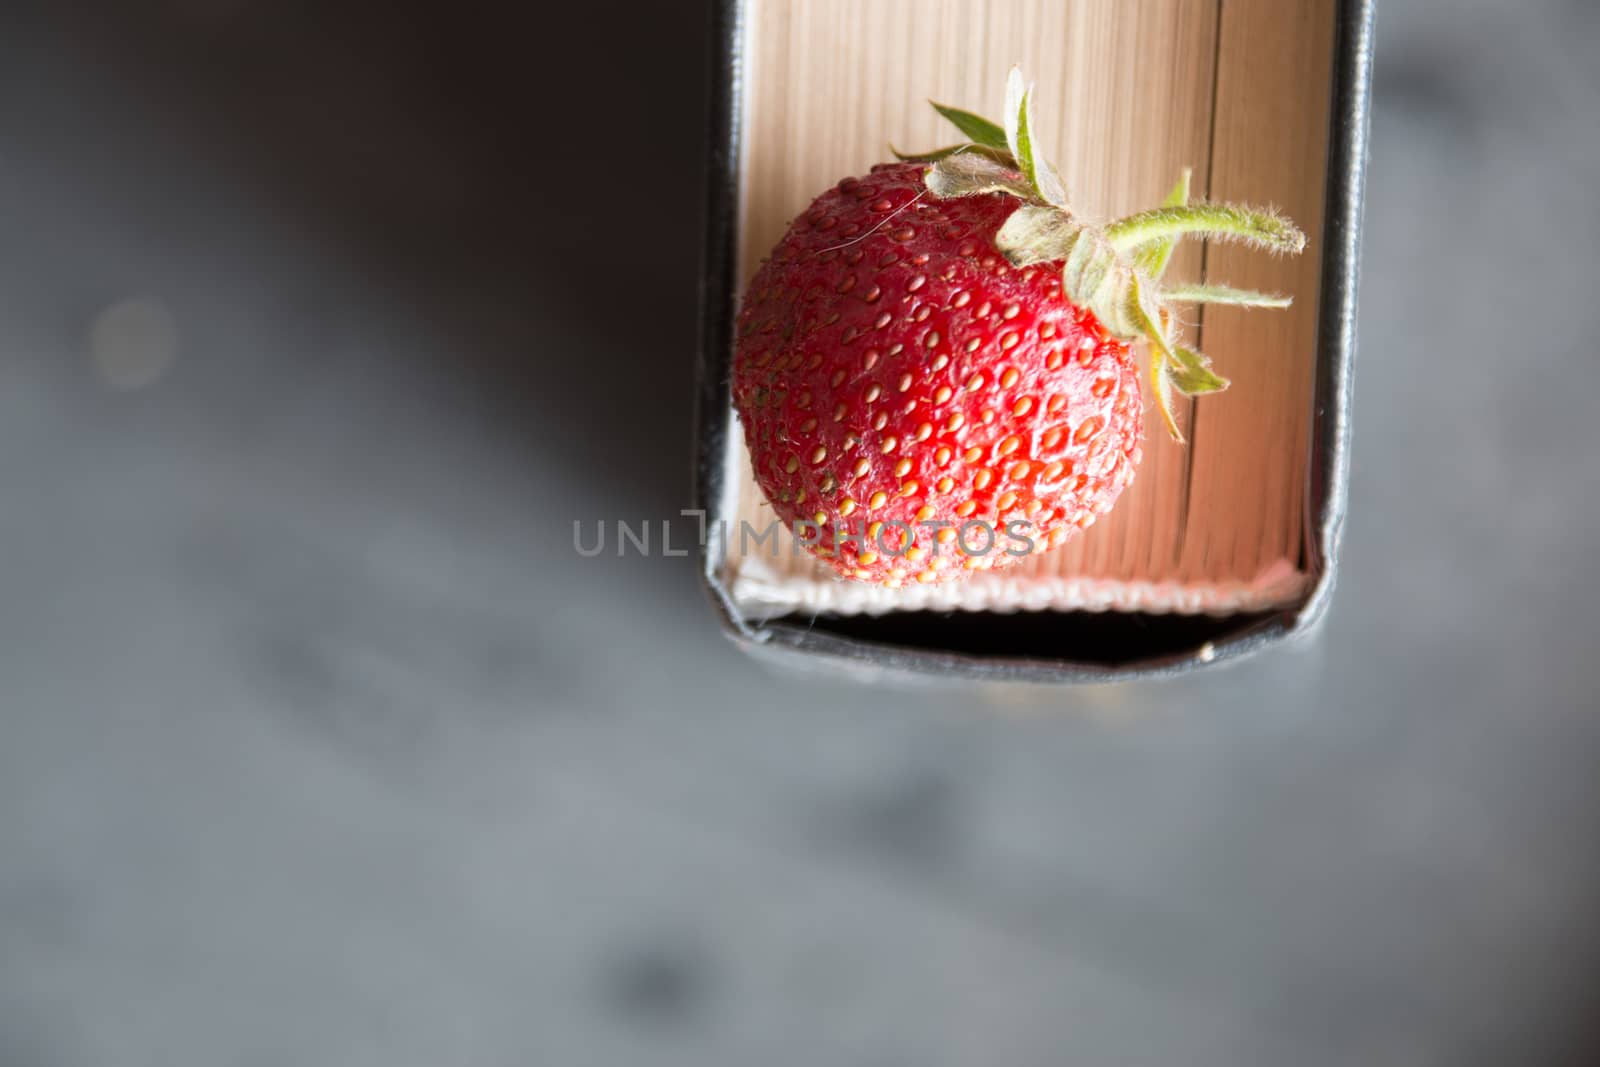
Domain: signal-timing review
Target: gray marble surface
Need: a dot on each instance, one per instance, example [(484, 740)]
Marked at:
[(319, 746)]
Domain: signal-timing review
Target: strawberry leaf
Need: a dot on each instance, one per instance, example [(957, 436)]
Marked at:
[(1161, 386), (1051, 187), (1037, 234), (1017, 119), (1141, 310), (999, 155), (1095, 277), (1191, 373), (1042, 177), (978, 129), (970, 174), (1145, 315)]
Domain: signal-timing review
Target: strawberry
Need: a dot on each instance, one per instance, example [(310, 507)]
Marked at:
[(934, 367)]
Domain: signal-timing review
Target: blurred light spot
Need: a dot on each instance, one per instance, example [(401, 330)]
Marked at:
[(133, 343)]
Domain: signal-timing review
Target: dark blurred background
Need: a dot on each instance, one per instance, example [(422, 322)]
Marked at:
[(321, 323)]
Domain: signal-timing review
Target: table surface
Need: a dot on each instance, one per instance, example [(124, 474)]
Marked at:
[(320, 745)]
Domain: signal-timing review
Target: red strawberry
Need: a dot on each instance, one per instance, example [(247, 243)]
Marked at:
[(933, 366)]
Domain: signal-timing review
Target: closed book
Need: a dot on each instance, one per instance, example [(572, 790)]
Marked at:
[(1221, 545)]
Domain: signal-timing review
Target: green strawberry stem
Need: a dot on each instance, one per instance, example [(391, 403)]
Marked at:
[(1115, 270), (1252, 226), (1223, 294), (1152, 258)]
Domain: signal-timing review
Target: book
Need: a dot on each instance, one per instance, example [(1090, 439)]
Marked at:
[(1126, 95)]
